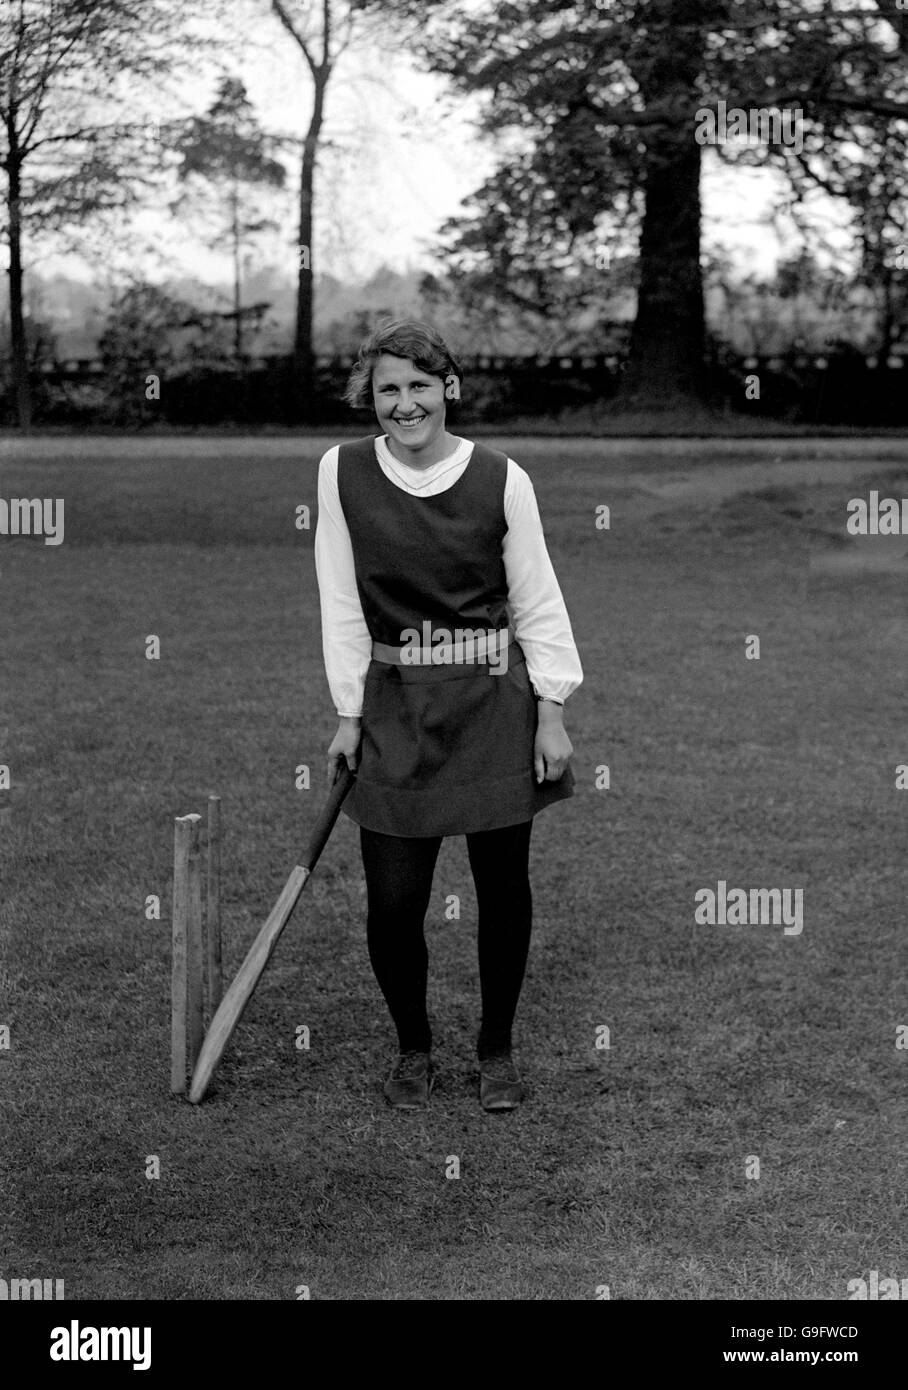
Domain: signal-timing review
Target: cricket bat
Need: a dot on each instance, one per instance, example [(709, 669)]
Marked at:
[(231, 1007)]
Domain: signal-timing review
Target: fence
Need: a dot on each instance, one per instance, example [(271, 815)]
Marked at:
[(841, 387)]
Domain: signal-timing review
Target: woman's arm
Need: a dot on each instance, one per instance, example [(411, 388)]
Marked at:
[(541, 620), (346, 641), (541, 623)]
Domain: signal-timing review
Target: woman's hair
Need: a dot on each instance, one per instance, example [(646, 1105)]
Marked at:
[(409, 338)]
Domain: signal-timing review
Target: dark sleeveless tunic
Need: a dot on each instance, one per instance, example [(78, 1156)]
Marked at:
[(446, 749)]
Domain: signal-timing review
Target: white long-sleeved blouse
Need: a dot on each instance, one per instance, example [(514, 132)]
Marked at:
[(538, 611)]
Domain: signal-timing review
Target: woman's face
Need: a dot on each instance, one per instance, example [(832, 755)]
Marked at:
[(409, 403)]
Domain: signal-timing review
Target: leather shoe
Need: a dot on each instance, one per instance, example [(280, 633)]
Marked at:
[(500, 1086), (408, 1086)]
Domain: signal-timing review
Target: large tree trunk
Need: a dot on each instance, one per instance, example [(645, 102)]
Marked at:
[(303, 357), (888, 326), (18, 345), (667, 344), (668, 339)]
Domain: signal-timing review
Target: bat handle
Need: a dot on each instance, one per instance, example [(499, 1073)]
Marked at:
[(328, 815)]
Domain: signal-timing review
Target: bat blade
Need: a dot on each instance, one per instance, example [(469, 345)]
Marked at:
[(231, 1007)]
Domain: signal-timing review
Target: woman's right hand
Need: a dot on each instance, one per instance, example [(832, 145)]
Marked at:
[(344, 747)]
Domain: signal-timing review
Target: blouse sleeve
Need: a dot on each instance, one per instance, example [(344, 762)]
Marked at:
[(346, 640), (540, 617)]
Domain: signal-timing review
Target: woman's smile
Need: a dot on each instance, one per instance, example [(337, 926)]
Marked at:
[(410, 406)]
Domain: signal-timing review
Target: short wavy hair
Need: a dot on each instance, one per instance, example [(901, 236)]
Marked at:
[(409, 338)]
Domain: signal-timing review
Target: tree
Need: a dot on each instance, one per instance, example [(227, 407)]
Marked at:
[(65, 156), (227, 150), (321, 46), (870, 174), (601, 104), (322, 33), (871, 178), (147, 334)]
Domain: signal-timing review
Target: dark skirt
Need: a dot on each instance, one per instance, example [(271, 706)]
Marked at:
[(448, 750)]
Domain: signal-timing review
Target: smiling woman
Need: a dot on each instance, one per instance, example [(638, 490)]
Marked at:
[(408, 372), (422, 531), (410, 404)]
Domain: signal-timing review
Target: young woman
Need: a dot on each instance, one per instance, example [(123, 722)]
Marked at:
[(449, 656)]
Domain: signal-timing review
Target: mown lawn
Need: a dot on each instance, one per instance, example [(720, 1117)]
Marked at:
[(626, 1167)]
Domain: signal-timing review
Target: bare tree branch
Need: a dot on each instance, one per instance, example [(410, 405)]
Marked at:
[(281, 11)]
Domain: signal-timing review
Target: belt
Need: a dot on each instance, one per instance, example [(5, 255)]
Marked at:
[(472, 649)]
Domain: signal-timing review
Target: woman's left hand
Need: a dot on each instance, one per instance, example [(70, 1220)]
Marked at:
[(552, 749)]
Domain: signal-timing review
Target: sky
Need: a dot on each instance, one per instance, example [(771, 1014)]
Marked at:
[(397, 159), (401, 154)]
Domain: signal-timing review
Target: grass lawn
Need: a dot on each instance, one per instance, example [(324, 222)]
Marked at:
[(626, 1167)]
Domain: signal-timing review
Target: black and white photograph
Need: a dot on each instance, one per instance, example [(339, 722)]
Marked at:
[(453, 668)]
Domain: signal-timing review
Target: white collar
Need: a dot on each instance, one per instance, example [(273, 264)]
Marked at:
[(421, 477)]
